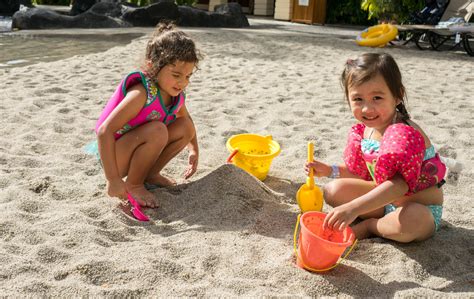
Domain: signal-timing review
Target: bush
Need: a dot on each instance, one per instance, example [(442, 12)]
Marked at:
[(347, 12), (369, 12), (186, 2), (51, 2), (391, 10)]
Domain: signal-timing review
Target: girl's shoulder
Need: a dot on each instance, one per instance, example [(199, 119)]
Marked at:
[(410, 127), (419, 129)]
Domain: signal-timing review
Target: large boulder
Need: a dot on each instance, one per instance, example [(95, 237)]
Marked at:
[(192, 17), (152, 14), (109, 9), (36, 18), (80, 6), (9, 7), (234, 16), (225, 15), (112, 14)]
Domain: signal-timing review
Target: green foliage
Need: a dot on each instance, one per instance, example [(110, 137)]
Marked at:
[(347, 12), (51, 2), (387, 10), (186, 2), (140, 2), (369, 12)]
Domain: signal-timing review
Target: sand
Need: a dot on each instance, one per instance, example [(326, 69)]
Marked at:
[(222, 233)]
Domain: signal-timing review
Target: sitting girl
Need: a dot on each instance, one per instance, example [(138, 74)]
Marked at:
[(392, 176)]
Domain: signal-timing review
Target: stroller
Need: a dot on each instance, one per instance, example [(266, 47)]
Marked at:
[(431, 14)]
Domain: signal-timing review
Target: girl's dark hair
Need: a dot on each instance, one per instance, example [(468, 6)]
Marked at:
[(366, 67), (168, 45)]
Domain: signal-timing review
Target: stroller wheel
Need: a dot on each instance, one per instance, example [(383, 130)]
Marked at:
[(468, 43)]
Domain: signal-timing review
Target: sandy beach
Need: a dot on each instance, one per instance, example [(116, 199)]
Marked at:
[(222, 233)]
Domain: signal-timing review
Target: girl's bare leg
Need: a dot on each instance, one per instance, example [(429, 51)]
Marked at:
[(411, 221), (136, 152), (180, 133)]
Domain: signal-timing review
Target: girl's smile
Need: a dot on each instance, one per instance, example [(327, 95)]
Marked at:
[(373, 104), (174, 78)]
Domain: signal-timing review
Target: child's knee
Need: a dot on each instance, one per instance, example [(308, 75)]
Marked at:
[(416, 220), (188, 130), (330, 192), (156, 133)]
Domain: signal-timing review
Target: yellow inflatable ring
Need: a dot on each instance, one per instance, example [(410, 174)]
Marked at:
[(377, 36)]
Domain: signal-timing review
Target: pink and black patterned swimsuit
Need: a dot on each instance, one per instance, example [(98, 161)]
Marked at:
[(401, 150), (153, 110)]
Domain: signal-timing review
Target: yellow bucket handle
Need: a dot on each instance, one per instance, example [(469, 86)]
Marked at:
[(306, 266)]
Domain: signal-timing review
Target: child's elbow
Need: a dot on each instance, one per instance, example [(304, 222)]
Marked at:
[(400, 184), (102, 131)]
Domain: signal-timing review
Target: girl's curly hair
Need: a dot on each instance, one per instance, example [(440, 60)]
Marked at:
[(168, 45)]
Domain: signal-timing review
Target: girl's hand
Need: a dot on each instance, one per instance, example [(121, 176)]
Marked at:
[(319, 169), (116, 188), (192, 164), (340, 218)]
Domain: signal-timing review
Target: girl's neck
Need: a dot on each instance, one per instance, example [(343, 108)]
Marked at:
[(377, 133), (165, 97)]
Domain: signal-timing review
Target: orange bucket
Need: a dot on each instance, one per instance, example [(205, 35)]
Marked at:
[(320, 249)]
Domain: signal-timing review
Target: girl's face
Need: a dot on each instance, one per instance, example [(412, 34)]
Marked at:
[(373, 104), (173, 78)]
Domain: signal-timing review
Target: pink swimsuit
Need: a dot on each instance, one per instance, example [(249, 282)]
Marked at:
[(154, 108), (401, 150)]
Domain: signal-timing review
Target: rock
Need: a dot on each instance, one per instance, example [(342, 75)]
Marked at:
[(189, 16), (80, 6), (109, 9), (93, 20), (237, 18), (225, 15), (152, 14), (112, 14), (36, 18)]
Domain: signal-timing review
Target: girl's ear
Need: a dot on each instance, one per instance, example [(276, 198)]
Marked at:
[(402, 93), (148, 63)]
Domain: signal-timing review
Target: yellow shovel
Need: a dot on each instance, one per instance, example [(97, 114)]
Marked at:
[(309, 196)]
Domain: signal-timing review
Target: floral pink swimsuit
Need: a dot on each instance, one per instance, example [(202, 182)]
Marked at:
[(154, 108), (401, 150)]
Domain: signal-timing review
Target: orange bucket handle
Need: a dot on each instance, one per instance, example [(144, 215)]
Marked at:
[(306, 266), (229, 159)]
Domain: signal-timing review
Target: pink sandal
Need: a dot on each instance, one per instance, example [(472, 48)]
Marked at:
[(136, 210)]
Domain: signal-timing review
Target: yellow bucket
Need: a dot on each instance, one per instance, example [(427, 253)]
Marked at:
[(253, 153)]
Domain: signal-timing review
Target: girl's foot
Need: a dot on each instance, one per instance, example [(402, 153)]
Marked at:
[(361, 230), (144, 197), (160, 180)]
